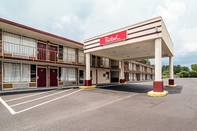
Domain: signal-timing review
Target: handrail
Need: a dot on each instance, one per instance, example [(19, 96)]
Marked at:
[(10, 49)]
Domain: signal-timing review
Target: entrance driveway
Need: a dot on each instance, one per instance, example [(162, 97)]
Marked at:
[(111, 108)]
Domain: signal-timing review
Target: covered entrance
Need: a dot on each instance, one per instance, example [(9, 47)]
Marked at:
[(114, 76), (145, 40)]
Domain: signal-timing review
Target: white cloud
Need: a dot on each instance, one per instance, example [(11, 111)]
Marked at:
[(190, 47), (171, 11), (81, 19)]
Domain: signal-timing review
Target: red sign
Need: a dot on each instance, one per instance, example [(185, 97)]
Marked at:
[(113, 37)]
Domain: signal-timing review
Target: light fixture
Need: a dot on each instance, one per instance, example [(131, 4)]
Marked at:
[(48, 42), (156, 29)]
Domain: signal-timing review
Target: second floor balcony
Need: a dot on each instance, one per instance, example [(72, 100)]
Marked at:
[(49, 54)]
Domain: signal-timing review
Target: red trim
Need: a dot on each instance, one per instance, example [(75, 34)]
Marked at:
[(127, 39), (143, 30), (88, 82), (145, 24), (171, 81), (92, 43), (91, 40), (131, 29), (144, 35), (38, 31), (158, 86), (93, 47), (122, 80)]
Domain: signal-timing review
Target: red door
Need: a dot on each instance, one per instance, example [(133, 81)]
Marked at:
[(53, 77), (41, 53), (41, 77), (53, 53)]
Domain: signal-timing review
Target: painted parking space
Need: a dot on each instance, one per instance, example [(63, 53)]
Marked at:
[(21, 103)]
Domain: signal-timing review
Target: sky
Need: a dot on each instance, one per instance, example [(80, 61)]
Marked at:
[(82, 19)]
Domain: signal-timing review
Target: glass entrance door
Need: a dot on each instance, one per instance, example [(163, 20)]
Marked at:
[(81, 77)]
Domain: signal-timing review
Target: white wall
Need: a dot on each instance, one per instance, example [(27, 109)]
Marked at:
[(93, 76), (101, 78)]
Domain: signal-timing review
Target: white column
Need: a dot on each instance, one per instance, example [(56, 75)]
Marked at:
[(87, 66), (171, 67), (158, 53), (122, 70)]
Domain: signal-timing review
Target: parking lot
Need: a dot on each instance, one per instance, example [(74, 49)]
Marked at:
[(106, 108)]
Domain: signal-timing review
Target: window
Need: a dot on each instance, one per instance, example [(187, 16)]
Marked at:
[(71, 54), (134, 67), (81, 57), (19, 45), (105, 62), (11, 72), (68, 74), (81, 74), (60, 55), (29, 46), (25, 73), (68, 54), (16, 73), (33, 73), (11, 43), (107, 75), (130, 66), (71, 74)]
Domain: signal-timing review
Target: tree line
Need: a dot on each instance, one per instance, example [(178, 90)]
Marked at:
[(180, 71)]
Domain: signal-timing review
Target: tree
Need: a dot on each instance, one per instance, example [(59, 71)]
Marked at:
[(194, 67), (184, 68), (177, 69), (183, 74), (193, 73), (165, 67), (145, 61), (165, 74)]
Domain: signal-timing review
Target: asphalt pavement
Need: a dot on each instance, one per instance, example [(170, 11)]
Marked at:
[(106, 108)]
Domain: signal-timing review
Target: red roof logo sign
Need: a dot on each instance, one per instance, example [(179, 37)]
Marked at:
[(113, 38)]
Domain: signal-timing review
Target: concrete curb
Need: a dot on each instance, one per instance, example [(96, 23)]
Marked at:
[(26, 90), (87, 87), (171, 86), (157, 94)]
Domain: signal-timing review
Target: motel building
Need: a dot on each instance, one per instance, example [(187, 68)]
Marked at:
[(31, 58)]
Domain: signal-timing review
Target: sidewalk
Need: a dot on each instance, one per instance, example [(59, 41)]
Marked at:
[(21, 90)]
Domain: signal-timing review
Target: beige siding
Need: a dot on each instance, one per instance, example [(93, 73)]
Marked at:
[(101, 78)]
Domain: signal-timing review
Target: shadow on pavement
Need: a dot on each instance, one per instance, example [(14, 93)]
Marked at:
[(140, 88), (129, 88), (176, 90)]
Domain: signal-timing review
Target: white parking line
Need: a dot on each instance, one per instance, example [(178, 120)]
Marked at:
[(111, 102), (48, 101), (8, 107), (26, 96), (39, 98)]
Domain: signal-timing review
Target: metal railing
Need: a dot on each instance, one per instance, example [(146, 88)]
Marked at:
[(39, 54)]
